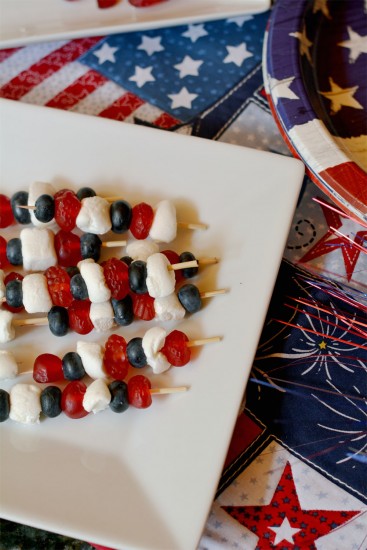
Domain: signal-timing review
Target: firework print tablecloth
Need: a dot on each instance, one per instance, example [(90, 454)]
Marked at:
[(294, 476)]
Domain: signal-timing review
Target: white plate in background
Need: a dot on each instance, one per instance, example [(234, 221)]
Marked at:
[(146, 479), (25, 21)]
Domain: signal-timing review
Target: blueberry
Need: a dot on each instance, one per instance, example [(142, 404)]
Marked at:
[(72, 270), (189, 297), (78, 288), (14, 293), (126, 259), (58, 320), (45, 208), (85, 192), (51, 401), (4, 405), (188, 272), (72, 366), (21, 215), (90, 246), (135, 353), (119, 396), (120, 214), (123, 310), (138, 277), (14, 251)]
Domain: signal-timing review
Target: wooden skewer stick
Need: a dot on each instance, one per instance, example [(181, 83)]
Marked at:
[(203, 341), (208, 261), (183, 265), (189, 225), (211, 293), (113, 244), (30, 321), (162, 391)]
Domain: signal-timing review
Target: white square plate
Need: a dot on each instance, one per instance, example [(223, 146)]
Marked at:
[(25, 21), (146, 478)]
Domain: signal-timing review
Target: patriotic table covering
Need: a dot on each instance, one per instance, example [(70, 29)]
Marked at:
[(294, 476)]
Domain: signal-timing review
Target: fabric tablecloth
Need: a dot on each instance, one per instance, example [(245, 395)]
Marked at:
[(295, 473)]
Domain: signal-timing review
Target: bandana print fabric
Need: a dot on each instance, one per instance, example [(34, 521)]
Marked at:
[(309, 376), (183, 69)]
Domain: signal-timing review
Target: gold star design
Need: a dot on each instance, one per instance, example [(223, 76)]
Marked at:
[(340, 97), (321, 5), (322, 345), (304, 43)]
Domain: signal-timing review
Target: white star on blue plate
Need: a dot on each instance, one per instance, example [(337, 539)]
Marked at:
[(142, 75), (151, 45), (239, 21), (182, 99), (105, 53), (195, 32), (237, 54), (188, 66)]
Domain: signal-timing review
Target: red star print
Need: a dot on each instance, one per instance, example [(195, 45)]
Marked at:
[(306, 525), (326, 244)]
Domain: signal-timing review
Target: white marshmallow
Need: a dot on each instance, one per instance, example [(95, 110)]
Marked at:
[(93, 276), (8, 365), (97, 397), (25, 403), (2, 284), (164, 226), (169, 308), (94, 216), (160, 280), (7, 331), (38, 249), (91, 355), (36, 297), (141, 250), (36, 189), (102, 316), (152, 342)]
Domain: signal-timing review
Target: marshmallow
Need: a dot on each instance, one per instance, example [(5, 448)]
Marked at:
[(97, 397), (152, 342), (141, 250), (36, 189), (2, 284), (25, 403), (8, 365), (93, 276), (169, 308), (94, 216), (38, 249), (164, 226), (7, 331), (36, 297), (102, 316), (160, 280), (91, 355)]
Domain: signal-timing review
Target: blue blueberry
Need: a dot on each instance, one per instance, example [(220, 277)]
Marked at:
[(90, 246), (14, 251), (14, 293), (21, 215), (135, 353), (188, 272), (58, 320), (138, 277), (45, 208), (120, 214), (78, 288), (4, 405), (51, 401), (85, 192), (126, 259), (119, 396), (189, 297), (72, 366), (123, 310)]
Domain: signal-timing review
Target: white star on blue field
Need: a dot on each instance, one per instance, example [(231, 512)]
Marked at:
[(185, 69)]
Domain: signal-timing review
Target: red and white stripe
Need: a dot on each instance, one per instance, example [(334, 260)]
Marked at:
[(50, 74)]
